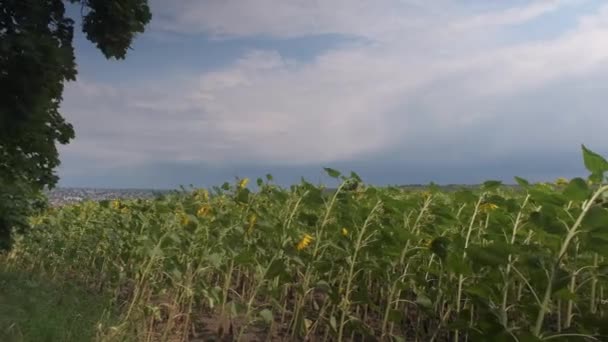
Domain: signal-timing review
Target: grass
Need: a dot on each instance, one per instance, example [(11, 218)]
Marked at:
[(36, 309)]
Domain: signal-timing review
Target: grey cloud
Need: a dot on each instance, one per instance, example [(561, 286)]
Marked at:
[(376, 106)]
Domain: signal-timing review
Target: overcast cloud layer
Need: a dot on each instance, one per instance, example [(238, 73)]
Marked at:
[(400, 91)]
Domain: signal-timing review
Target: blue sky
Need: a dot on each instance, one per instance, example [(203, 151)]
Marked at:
[(400, 91)]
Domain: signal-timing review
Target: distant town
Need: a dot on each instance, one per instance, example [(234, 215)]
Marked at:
[(61, 196)]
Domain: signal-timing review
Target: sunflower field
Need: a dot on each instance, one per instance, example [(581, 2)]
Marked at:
[(356, 263)]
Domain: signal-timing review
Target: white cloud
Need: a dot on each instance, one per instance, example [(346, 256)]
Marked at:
[(426, 77), (371, 19)]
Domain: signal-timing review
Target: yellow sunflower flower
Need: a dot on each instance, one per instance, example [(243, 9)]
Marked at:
[(488, 207), (202, 195), (37, 220), (306, 240), (115, 204), (203, 211), (185, 220), (243, 183)]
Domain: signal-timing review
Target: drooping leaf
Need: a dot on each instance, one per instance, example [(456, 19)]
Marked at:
[(596, 217), (439, 246), (424, 301), (465, 196), (522, 182), (546, 219), (333, 324), (457, 265), (276, 268), (543, 197), (332, 173), (561, 279), (491, 185), (243, 195), (595, 163), (577, 190), (355, 176), (492, 255)]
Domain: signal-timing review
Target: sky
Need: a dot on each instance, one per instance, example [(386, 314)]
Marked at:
[(399, 91)]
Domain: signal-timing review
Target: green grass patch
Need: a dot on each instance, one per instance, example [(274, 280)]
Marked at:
[(35, 309)]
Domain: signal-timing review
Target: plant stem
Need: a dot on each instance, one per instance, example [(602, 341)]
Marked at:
[(464, 255), (504, 318), (349, 280), (564, 248)]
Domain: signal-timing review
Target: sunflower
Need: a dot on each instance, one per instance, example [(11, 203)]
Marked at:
[(203, 211), (115, 204), (306, 240), (184, 220), (488, 207), (202, 195), (243, 183)]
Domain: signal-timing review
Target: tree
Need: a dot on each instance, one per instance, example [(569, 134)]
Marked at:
[(36, 60)]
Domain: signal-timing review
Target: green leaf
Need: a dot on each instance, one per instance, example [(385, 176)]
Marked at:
[(267, 316), (323, 286), (243, 195), (155, 252), (595, 163), (596, 217), (458, 265), (522, 182), (215, 259), (479, 291), (332, 323), (577, 190), (547, 220), (561, 280), (597, 241), (423, 300), (492, 255), (465, 196), (439, 246), (332, 173), (276, 268), (544, 197), (174, 237), (395, 316), (491, 185), (565, 294)]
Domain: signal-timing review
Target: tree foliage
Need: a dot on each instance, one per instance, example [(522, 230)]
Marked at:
[(36, 60)]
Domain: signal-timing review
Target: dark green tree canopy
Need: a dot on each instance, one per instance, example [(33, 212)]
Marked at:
[(36, 59)]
